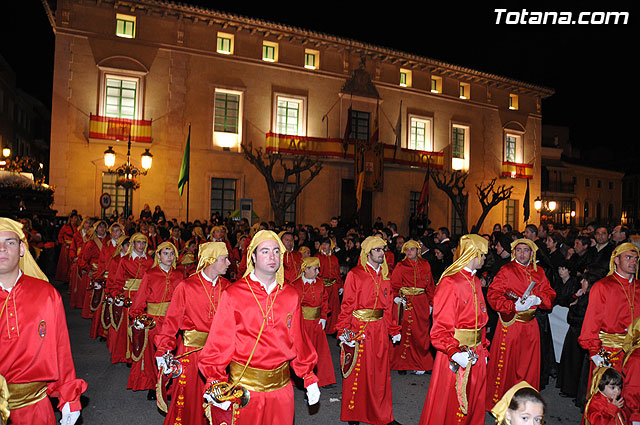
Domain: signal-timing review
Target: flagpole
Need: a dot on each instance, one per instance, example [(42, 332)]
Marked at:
[(188, 200)]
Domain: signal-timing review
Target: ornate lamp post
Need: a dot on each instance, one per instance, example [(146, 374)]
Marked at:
[(544, 206), (127, 172)]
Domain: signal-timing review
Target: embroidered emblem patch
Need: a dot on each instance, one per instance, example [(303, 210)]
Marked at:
[(289, 319), (483, 308), (42, 328)]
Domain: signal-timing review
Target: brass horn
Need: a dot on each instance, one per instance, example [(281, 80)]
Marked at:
[(147, 321), (224, 391)]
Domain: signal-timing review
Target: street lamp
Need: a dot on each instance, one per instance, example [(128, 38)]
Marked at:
[(544, 206), (127, 172), (6, 153)]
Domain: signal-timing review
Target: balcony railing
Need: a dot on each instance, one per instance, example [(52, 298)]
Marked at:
[(517, 171), (107, 128), (335, 148)]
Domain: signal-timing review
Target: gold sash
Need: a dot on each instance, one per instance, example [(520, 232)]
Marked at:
[(410, 290), (368, 314), (328, 282), (132, 284), (468, 337), (612, 340), (195, 339), (157, 309), (311, 313), (22, 395), (522, 316), (260, 380)]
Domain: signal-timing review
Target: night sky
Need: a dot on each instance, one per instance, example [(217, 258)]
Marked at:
[(589, 66)]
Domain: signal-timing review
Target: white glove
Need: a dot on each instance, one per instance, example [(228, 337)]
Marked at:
[(461, 358), (396, 338), (430, 309), (69, 417), (598, 360), (399, 300), (97, 285), (535, 300), (118, 302), (343, 339), (528, 303), (340, 291), (313, 394), (138, 325), (162, 365), (323, 323), (209, 399)]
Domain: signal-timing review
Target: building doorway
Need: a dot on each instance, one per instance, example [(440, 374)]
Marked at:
[(348, 205)]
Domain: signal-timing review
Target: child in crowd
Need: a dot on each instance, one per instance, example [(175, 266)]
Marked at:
[(605, 403), (520, 405)]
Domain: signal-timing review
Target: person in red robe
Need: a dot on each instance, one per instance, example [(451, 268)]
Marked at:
[(154, 239), (176, 238), (123, 288), (108, 324), (313, 300), (188, 261), (88, 264), (456, 392), (100, 277), (147, 313), (292, 259), (259, 334), (515, 349), (605, 406), (332, 279), (413, 287), (65, 238), (36, 356), (75, 253), (194, 303), (219, 234), (367, 312), (611, 327)]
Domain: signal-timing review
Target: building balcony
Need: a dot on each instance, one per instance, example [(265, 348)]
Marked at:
[(516, 170), (114, 129), (336, 149)]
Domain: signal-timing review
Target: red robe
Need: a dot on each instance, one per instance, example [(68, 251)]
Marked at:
[(515, 349), (104, 263), (154, 241), (391, 260), (313, 295), (330, 269), (128, 268), (454, 307), (35, 348), (193, 305), (609, 311), (236, 326), (88, 263), (65, 238), (157, 286), (366, 392), (75, 253), (292, 265), (413, 351), (600, 411)]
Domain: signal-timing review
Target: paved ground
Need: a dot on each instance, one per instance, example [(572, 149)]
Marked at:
[(107, 402)]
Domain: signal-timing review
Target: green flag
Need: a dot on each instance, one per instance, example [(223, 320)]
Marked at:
[(184, 169)]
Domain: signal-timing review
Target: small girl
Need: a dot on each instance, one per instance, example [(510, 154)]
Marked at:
[(605, 404), (521, 405)]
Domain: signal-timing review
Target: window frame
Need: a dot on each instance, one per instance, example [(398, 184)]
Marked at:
[(312, 53), (223, 210), (511, 212), (302, 121), (518, 149), (513, 102), (111, 73), (272, 45), (464, 90), (428, 143), (225, 36), (408, 78), (120, 17), (457, 162), (438, 84), (117, 193)]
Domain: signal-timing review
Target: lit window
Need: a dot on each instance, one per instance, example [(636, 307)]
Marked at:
[(405, 78), (513, 148), (225, 43), (436, 84), (311, 59), (120, 97), (513, 101), (420, 137), (290, 115), (465, 91), (360, 125), (227, 119), (125, 26), (269, 51), (459, 147)]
